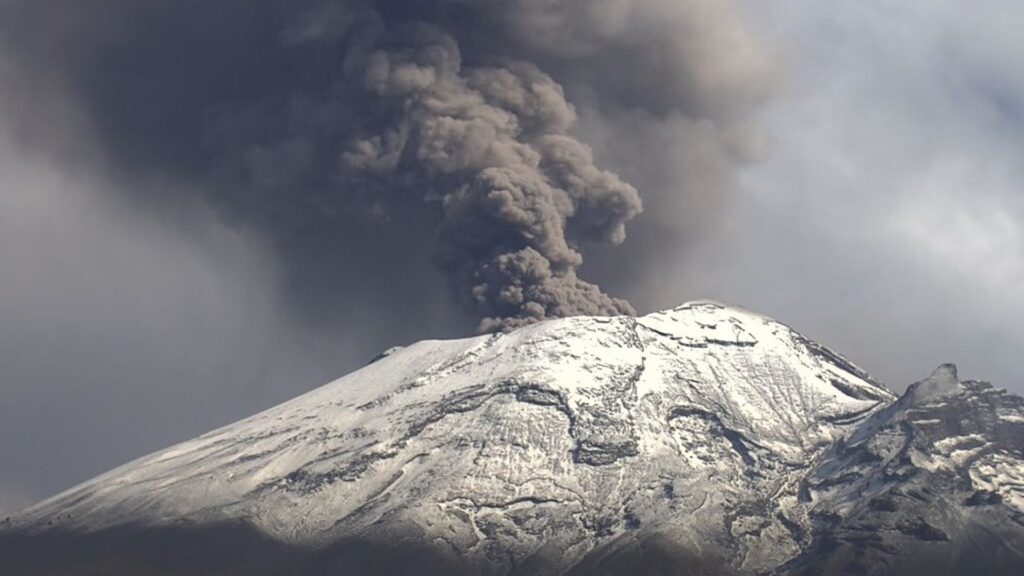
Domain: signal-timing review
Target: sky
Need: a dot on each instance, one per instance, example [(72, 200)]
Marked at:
[(201, 215)]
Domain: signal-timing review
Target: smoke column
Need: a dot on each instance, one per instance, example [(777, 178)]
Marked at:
[(491, 146), (484, 148)]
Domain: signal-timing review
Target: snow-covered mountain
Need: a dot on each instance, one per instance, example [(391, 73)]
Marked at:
[(700, 440)]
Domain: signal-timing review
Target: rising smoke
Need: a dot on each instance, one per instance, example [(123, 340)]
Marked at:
[(447, 109), (491, 145)]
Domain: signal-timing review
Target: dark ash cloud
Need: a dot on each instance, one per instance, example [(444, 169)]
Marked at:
[(367, 138), (485, 149), (480, 141)]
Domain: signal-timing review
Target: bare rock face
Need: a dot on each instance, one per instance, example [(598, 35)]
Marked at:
[(700, 440)]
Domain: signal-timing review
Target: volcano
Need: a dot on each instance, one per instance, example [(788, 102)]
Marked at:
[(705, 439)]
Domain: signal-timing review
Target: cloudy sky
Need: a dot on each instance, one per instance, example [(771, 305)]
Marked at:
[(206, 211)]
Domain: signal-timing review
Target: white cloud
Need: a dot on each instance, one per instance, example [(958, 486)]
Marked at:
[(960, 214), (888, 219)]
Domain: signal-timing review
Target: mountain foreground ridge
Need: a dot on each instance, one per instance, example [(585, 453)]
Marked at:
[(705, 439)]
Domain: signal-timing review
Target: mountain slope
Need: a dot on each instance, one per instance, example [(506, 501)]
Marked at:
[(703, 438)]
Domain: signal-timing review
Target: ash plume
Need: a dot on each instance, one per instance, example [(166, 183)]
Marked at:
[(491, 145), (485, 146)]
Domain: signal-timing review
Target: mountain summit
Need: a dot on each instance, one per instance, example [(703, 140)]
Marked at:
[(700, 440)]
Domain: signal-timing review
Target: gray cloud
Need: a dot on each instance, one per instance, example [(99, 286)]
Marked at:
[(887, 220)]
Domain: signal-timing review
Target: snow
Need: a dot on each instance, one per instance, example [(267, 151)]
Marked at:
[(1002, 474)]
